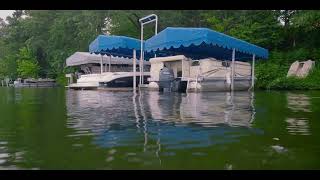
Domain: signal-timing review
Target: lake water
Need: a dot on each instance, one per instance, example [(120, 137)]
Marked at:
[(66, 129)]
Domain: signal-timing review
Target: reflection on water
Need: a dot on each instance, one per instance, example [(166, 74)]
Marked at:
[(298, 103), (3, 154), (65, 129), (151, 121), (206, 109), (298, 126), (170, 119)]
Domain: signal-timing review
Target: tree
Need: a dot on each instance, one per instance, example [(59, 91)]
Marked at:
[(52, 36), (307, 25), (8, 67), (27, 65), (257, 27), (2, 26)]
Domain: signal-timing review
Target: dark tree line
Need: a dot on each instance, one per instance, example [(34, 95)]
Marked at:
[(45, 38)]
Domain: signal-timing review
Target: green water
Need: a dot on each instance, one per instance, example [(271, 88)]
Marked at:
[(65, 129)]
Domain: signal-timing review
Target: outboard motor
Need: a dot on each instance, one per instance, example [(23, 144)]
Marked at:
[(166, 77), (179, 86)]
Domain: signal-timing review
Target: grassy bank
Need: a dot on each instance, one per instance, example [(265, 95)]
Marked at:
[(272, 73)]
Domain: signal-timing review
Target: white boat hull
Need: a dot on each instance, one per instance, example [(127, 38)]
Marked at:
[(107, 79)]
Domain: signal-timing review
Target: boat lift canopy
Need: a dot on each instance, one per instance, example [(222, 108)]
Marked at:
[(121, 46), (200, 43), (118, 46)]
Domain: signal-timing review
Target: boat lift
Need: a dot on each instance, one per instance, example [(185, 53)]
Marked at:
[(217, 45)]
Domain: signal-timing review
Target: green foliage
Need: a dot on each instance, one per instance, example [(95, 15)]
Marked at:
[(27, 69), (258, 27), (272, 74), (8, 67), (61, 79), (312, 81), (266, 73), (308, 20), (52, 36), (27, 65)]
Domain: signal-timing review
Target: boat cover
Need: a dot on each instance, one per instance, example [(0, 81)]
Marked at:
[(115, 45), (201, 43)]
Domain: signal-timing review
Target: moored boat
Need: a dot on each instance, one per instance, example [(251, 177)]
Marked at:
[(198, 75), (96, 71)]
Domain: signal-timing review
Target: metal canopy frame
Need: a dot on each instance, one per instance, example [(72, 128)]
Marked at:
[(143, 21), (233, 69), (102, 62)]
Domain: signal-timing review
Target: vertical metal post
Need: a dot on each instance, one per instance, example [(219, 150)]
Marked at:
[(156, 31), (142, 50), (156, 28), (105, 64), (101, 65), (252, 68), (110, 64), (142, 78), (141, 56), (233, 68), (134, 70)]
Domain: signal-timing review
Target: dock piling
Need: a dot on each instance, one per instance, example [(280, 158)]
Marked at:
[(252, 72), (233, 68), (134, 70)]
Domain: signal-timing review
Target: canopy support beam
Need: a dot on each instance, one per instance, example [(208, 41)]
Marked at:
[(110, 63), (101, 65), (233, 68), (252, 71), (141, 58), (105, 65), (134, 70)]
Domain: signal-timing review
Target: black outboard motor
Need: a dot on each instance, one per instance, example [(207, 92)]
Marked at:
[(166, 77)]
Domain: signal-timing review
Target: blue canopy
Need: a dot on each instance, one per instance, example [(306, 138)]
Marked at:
[(201, 43), (115, 45)]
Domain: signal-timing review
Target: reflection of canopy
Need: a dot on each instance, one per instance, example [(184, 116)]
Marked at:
[(177, 121), (232, 109), (80, 58), (173, 137), (201, 43), (115, 45)]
